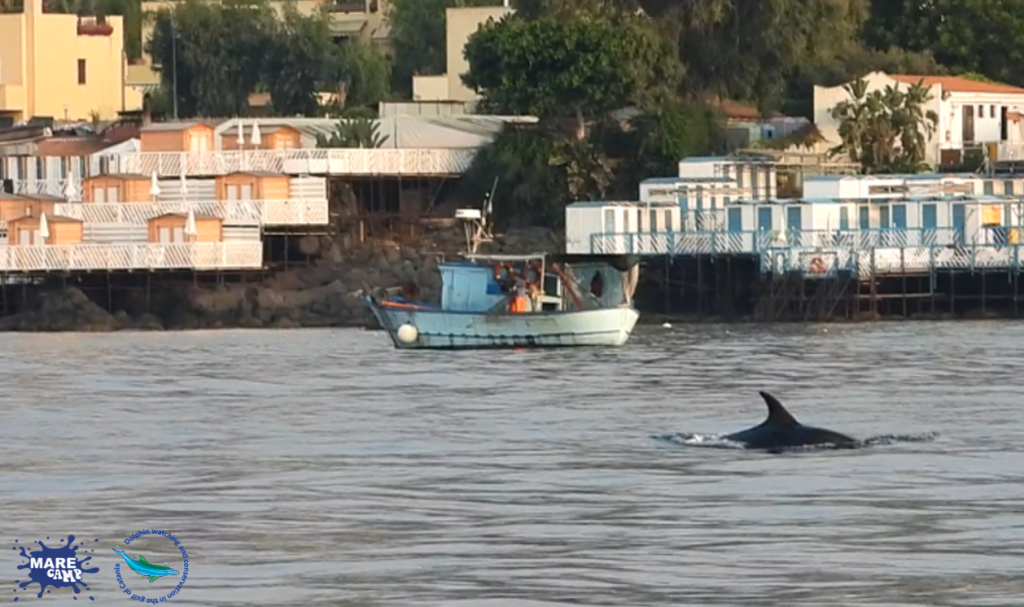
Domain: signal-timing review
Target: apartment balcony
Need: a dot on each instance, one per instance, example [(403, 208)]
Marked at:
[(437, 162), (144, 256), (248, 212)]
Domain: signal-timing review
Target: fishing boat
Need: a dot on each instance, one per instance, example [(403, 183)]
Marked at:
[(519, 301)]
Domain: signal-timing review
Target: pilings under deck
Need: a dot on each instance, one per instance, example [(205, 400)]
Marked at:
[(733, 287)]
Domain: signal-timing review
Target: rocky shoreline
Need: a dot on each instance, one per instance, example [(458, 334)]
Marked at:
[(325, 293)]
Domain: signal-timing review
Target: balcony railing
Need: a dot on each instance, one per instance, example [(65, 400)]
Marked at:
[(147, 256), (253, 212), (864, 252), (425, 162)]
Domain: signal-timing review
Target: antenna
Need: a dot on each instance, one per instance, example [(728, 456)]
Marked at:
[(477, 222)]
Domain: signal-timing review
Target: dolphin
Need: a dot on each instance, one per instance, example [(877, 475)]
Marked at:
[(146, 569), (781, 430)]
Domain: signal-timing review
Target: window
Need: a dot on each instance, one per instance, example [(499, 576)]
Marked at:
[(81, 71), (987, 188)]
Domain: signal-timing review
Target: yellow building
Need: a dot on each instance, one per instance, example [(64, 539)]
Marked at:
[(63, 66), (460, 24)]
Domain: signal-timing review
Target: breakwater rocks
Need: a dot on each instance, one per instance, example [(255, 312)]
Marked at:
[(326, 292)]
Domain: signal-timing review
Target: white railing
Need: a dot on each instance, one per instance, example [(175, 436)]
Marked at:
[(256, 212), (148, 256), (299, 162), (44, 187)]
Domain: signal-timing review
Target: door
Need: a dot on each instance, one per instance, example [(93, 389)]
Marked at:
[(968, 126), (959, 221), (113, 195), (193, 142), (652, 221), (668, 221), (844, 219), (735, 219), (698, 216), (232, 191), (179, 234), (609, 221), (25, 237), (929, 223), (245, 192), (764, 220), (165, 235), (202, 142), (1003, 132), (99, 195), (794, 223), (684, 211)]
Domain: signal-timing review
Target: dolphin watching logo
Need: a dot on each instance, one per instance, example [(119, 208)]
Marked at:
[(60, 567), (153, 572)]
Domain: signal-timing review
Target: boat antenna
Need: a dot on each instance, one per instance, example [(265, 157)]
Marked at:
[(476, 222)]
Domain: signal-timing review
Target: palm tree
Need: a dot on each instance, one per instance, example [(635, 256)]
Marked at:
[(885, 131), (353, 133)]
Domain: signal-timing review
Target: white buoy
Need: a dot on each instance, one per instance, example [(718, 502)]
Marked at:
[(407, 334), (667, 325)]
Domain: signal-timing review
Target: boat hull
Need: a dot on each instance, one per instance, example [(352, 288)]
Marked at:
[(447, 330)]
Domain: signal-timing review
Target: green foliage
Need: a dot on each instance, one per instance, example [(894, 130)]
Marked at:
[(885, 131), (556, 66), (661, 137), (229, 50), (354, 133)]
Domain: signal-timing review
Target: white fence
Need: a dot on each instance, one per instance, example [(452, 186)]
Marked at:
[(425, 162), (248, 212), (148, 256)]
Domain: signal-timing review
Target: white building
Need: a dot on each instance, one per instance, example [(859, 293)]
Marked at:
[(972, 114)]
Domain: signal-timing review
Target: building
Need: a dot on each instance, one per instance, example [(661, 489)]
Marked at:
[(460, 24), (985, 119), (66, 67)]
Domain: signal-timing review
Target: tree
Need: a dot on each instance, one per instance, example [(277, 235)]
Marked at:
[(220, 50), (983, 36), (748, 49), (300, 62), (353, 133), (227, 51), (554, 66), (885, 131)]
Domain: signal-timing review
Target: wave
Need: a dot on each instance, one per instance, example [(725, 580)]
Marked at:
[(718, 441)]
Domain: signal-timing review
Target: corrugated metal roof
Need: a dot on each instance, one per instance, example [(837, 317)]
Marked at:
[(402, 132)]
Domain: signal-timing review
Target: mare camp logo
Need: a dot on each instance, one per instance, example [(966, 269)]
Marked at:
[(60, 567), (156, 561)]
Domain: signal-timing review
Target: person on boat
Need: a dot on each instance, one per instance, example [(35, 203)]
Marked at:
[(519, 298)]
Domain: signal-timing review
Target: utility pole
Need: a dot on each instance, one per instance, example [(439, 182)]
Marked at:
[(174, 65)]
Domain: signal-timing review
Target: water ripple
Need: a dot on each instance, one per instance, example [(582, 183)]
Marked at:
[(326, 468)]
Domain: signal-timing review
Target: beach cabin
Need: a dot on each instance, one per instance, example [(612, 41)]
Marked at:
[(14, 206), (252, 186), (176, 137), (1000, 185), (281, 137), (620, 227), (882, 187), (169, 228), (701, 200), (757, 176), (61, 231), (117, 188)]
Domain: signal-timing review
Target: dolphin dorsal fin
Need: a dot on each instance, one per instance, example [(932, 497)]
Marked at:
[(142, 559), (777, 414)]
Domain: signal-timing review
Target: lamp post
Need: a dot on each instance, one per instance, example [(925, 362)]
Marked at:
[(174, 66)]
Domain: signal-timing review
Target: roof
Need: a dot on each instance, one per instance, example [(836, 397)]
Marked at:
[(402, 132), (71, 146), (49, 219), (255, 174), (31, 197), (171, 126), (957, 84), (185, 215), (118, 176), (264, 130)]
